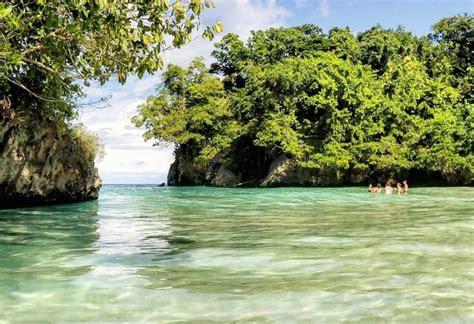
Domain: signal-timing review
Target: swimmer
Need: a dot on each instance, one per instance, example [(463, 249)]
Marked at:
[(388, 188), (405, 186), (379, 188), (399, 188)]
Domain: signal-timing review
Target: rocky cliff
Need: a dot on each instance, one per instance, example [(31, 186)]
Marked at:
[(279, 171), (41, 163), (235, 170), (184, 173)]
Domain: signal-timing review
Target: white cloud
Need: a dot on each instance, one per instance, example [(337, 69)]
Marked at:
[(301, 3), (239, 17), (128, 158), (243, 16), (324, 8)]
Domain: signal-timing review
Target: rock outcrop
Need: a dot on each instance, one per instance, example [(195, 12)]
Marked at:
[(184, 173), (43, 164), (225, 178), (236, 169), (283, 171)]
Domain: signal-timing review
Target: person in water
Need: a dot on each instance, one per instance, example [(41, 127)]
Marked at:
[(388, 188), (376, 189), (399, 188), (379, 188)]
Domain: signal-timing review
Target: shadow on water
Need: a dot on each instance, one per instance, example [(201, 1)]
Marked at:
[(36, 243)]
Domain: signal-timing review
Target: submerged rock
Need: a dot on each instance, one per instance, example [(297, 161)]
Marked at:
[(41, 163)]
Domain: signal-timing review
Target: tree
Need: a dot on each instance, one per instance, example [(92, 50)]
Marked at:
[(231, 57), (316, 110), (343, 43), (378, 46), (276, 44), (382, 104), (455, 39), (47, 46), (191, 111)]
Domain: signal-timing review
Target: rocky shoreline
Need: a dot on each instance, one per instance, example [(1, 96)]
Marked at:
[(282, 171), (42, 164)]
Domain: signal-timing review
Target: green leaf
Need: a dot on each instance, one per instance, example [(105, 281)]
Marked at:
[(218, 27), (5, 11)]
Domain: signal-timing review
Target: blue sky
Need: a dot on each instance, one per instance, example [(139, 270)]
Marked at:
[(129, 159), (416, 15)]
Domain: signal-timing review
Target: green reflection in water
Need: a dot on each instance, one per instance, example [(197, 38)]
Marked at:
[(273, 255)]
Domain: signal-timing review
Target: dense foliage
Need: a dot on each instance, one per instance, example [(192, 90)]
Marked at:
[(89, 144), (382, 103), (49, 47)]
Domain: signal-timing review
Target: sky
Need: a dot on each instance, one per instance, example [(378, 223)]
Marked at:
[(129, 159)]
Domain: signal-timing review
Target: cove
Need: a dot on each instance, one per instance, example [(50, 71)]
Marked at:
[(144, 253)]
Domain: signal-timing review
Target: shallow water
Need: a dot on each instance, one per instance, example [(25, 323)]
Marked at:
[(264, 255)]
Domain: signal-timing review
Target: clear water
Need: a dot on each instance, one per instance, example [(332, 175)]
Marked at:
[(277, 255)]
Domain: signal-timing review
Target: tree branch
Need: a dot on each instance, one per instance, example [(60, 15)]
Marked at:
[(43, 66), (22, 86)]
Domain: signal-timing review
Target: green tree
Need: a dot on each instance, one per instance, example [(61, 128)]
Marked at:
[(343, 43), (455, 39), (379, 105), (378, 46), (191, 111), (276, 44), (231, 57), (46, 46), (316, 110)]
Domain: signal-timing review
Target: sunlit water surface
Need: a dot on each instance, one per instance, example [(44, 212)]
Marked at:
[(275, 255)]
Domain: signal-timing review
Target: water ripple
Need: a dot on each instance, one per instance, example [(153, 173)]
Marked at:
[(144, 253)]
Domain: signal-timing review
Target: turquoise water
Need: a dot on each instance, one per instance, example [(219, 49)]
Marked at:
[(262, 255)]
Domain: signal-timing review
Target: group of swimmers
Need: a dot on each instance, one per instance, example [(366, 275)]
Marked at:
[(402, 187)]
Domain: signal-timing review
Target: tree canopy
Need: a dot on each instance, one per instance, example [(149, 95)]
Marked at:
[(48, 47), (380, 103)]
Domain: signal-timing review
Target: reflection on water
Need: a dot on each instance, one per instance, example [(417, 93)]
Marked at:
[(279, 255)]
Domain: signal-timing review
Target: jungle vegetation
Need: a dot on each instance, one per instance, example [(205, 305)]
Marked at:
[(382, 103), (51, 49)]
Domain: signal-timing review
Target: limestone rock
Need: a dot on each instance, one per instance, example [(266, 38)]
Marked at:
[(39, 164), (283, 172), (225, 178), (182, 173)]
